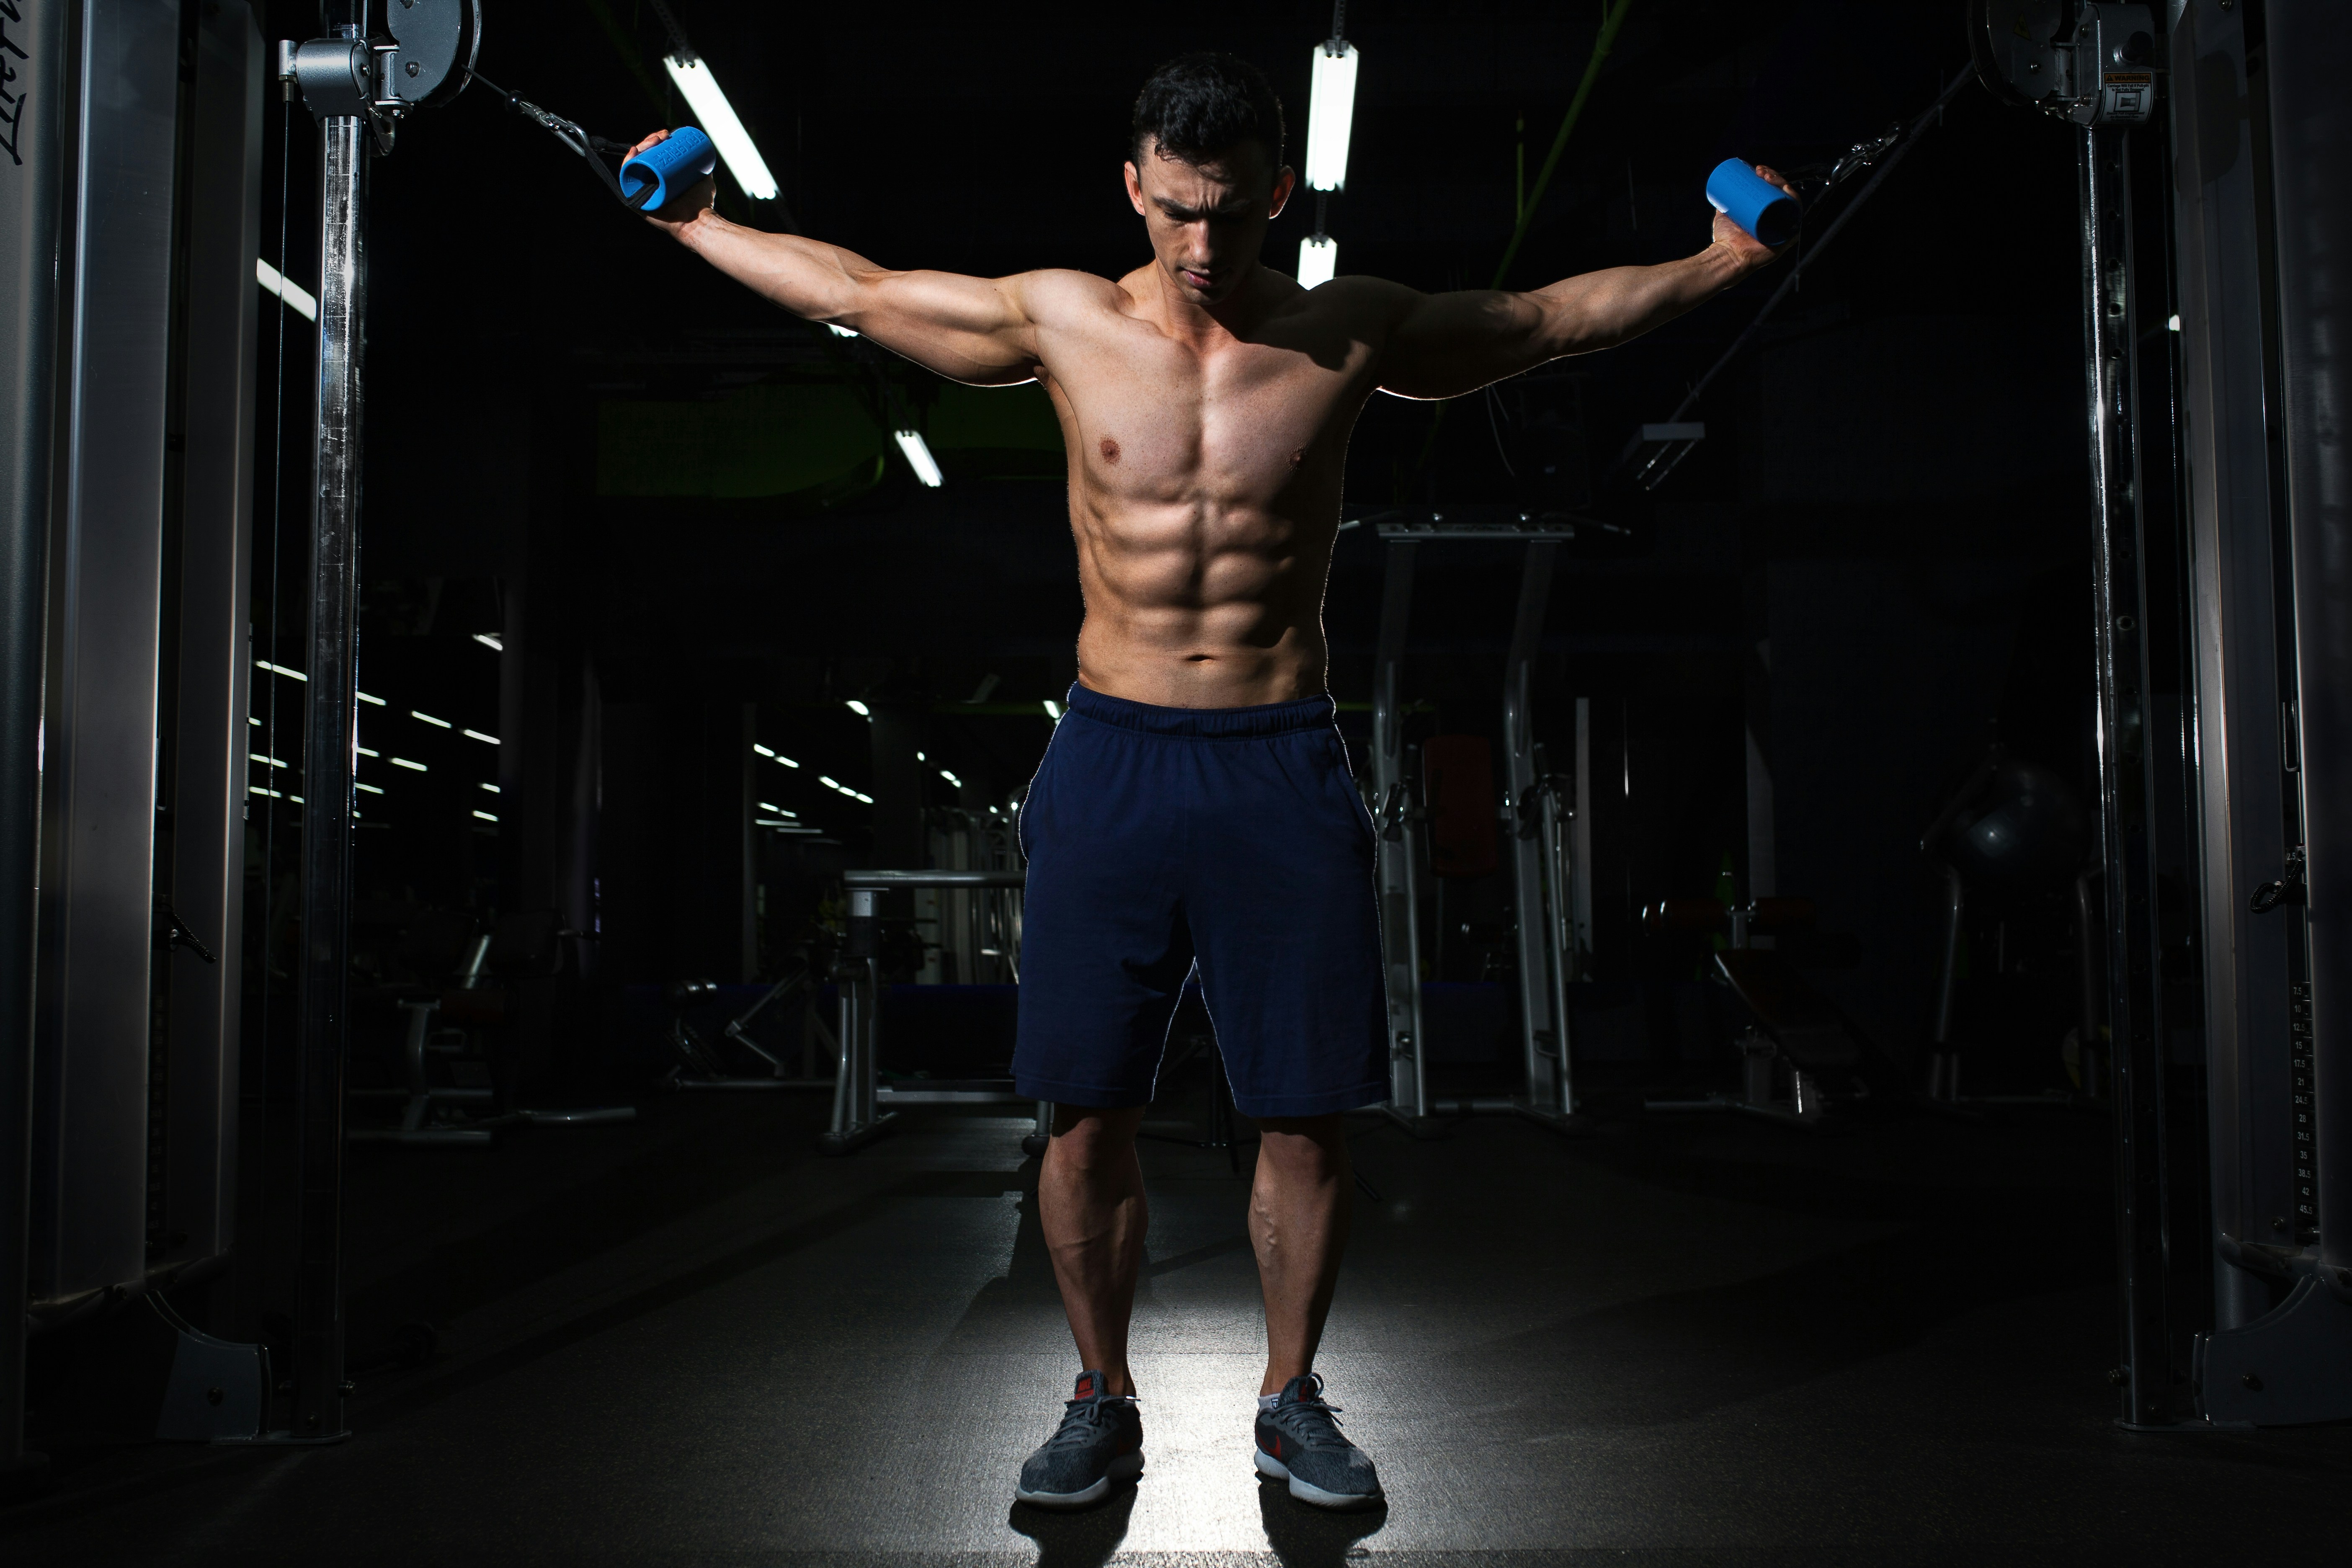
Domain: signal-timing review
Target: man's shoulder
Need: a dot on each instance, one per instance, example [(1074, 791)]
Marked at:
[(1064, 290)]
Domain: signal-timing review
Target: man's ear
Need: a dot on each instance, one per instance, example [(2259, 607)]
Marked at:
[(1285, 182), (1135, 189)]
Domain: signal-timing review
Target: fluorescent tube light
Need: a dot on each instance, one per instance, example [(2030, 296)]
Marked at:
[(780, 757), (2173, 324), (718, 121), (256, 789), (920, 758), (492, 641), (838, 330), (255, 722), (293, 293), (866, 798), (477, 735), (492, 788), (1052, 710), (430, 720), (778, 810), (370, 788), (860, 709), (761, 750), (404, 763), (364, 752), (279, 669), (1331, 113), (1319, 258), (374, 701), (257, 757), (951, 778), (918, 458), (486, 817)]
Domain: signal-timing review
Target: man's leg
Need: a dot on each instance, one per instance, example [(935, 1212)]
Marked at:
[(1090, 1206), (1298, 1224)]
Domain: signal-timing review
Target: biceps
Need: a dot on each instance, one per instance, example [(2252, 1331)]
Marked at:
[(971, 329)]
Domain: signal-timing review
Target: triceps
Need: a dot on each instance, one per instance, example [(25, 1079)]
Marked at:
[(1451, 344)]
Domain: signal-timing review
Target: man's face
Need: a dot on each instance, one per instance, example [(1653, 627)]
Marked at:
[(1207, 221)]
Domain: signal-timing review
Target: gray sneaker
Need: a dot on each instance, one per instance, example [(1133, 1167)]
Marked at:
[(1100, 1441), (1298, 1441)]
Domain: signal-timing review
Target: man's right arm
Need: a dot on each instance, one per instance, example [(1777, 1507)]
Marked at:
[(972, 330)]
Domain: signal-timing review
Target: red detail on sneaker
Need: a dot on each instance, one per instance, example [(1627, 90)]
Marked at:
[(1086, 1386)]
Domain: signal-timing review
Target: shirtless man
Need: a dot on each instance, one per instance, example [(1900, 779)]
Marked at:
[(1195, 812)]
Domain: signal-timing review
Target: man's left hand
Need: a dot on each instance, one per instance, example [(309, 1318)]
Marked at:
[(1751, 251)]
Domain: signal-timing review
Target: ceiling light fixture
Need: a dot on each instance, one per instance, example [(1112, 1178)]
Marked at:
[(297, 297), (720, 122), (1330, 115), (1318, 260), (918, 458)]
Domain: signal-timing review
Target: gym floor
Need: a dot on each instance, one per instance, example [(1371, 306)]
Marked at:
[(1697, 1341)]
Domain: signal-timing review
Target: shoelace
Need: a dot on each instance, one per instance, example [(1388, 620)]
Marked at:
[(1079, 1419), (1312, 1419)]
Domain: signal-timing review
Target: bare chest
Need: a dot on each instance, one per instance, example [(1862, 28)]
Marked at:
[(1152, 422)]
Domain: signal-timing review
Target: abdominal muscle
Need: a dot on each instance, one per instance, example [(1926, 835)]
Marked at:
[(1195, 605)]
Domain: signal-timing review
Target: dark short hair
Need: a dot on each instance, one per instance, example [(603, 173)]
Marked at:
[(1196, 106)]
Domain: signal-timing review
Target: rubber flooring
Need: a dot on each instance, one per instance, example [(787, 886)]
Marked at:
[(1692, 1342)]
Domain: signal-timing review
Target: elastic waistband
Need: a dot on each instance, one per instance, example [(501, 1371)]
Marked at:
[(1204, 723)]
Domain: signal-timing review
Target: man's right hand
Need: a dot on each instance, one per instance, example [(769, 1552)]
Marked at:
[(686, 206)]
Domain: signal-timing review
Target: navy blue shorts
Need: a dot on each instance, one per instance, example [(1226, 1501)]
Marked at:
[(1229, 838)]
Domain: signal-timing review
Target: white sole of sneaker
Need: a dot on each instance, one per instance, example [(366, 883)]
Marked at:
[(1273, 1470), (1126, 1468)]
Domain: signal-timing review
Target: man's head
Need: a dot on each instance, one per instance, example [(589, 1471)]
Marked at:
[(1206, 170)]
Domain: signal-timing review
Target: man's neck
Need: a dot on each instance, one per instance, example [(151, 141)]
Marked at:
[(1199, 324)]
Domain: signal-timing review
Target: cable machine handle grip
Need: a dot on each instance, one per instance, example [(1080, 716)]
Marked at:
[(652, 178), (1754, 203)]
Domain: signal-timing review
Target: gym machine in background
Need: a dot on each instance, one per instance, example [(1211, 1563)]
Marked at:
[(2252, 177), (863, 1107), (1551, 903), (127, 393)]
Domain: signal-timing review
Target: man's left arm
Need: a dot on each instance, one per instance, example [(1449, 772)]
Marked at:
[(1443, 345)]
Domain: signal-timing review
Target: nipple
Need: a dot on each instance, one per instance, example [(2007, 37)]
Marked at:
[(1110, 450), (1299, 457)]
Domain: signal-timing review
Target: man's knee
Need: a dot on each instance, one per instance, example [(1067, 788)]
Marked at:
[(1088, 1136), (1303, 1143)]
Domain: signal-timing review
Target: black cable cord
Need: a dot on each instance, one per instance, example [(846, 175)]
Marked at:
[(592, 150)]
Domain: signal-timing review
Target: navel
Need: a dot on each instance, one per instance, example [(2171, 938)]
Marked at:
[(1110, 450)]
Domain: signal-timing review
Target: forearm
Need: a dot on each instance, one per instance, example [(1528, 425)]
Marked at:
[(814, 280), (1602, 310)]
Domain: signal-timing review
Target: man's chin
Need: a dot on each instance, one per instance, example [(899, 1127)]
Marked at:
[(1208, 293)]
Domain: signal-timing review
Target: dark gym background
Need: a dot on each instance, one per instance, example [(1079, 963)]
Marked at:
[(584, 536)]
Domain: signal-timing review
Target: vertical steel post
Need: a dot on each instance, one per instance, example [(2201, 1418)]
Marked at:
[(1543, 1032), (1398, 870), (2134, 986), (31, 194), (328, 759)]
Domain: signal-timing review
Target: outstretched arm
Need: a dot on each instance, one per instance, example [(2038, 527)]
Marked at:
[(1443, 345), (972, 330)]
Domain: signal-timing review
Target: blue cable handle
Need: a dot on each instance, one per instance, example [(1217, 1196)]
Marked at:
[(669, 167), (1754, 203)]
